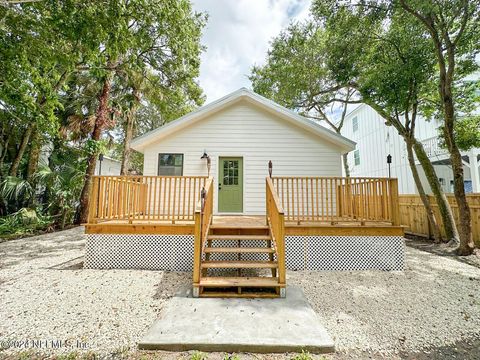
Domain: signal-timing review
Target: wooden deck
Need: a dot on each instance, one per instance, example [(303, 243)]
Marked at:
[(295, 206), (325, 228)]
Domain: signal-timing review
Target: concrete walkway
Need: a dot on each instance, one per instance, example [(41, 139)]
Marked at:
[(239, 325)]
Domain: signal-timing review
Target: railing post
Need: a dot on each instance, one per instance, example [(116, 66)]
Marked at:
[(197, 253), (281, 249), (339, 201), (394, 201), (93, 208)]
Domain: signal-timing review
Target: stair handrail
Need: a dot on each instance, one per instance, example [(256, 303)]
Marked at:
[(276, 224), (203, 218)]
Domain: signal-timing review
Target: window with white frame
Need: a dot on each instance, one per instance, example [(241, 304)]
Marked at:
[(170, 164), (355, 124), (356, 157)]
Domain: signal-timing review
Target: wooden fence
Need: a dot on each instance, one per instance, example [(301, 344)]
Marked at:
[(338, 199), (167, 198), (414, 217)]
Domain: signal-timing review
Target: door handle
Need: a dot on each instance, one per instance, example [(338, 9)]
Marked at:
[(219, 186)]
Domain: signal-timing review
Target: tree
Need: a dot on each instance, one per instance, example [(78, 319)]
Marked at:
[(295, 75), (65, 81), (146, 36), (367, 18), (301, 73), (31, 74), (452, 27)]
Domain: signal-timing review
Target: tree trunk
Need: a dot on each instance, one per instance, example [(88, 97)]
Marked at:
[(4, 153), (445, 87), (423, 196), (21, 150), (100, 120), (128, 128), (345, 165), (441, 199), (34, 156), (466, 245)]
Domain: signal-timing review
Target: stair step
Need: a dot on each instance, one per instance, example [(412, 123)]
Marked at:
[(239, 281), (246, 227), (238, 237), (248, 250), (239, 264), (249, 295)]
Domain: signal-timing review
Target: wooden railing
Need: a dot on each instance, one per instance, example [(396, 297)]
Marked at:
[(167, 198), (276, 223), (335, 199), (203, 220)]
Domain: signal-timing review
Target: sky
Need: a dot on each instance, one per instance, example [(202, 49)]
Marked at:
[(237, 36)]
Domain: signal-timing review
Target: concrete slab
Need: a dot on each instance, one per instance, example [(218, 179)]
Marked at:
[(239, 325)]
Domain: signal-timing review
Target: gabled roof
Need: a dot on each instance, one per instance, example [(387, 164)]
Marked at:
[(281, 112)]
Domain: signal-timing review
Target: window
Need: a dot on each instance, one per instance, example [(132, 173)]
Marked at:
[(355, 124), (230, 172), (170, 164), (356, 156)]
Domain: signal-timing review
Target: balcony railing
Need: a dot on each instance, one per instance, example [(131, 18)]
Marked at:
[(338, 199), (131, 198), (433, 147)]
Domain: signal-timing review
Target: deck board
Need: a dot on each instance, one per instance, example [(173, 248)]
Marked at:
[(323, 228)]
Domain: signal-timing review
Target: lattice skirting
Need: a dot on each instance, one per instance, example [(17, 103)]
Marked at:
[(129, 251), (175, 252), (345, 253)]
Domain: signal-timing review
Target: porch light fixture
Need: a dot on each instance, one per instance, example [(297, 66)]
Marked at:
[(100, 158), (270, 168), (209, 161), (389, 161)]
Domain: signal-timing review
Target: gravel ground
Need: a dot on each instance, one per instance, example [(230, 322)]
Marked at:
[(431, 310), (106, 310)]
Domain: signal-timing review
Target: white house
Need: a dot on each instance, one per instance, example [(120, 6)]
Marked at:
[(108, 166), (214, 162), (375, 142), (240, 133)]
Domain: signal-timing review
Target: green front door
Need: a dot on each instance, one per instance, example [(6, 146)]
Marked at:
[(230, 184)]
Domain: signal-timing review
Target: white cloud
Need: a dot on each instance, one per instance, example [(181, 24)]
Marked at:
[(237, 36)]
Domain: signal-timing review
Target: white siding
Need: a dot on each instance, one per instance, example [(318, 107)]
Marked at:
[(375, 141), (246, 131), (109, 167)]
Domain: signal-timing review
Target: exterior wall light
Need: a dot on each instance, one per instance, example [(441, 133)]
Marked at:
[(389, 162), (209, 161), (100, 158)]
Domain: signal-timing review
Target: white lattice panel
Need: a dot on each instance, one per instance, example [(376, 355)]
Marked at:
[(175, 252), (345, 253), (128, 251)]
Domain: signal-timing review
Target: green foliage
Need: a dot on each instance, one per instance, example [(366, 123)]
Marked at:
[(55, 58), (231, 357), (197, 355), (467, 132), (23, 222), (304, 355), (15, 189)]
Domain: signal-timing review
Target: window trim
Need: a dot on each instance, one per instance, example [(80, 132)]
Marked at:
[(355, 157), (158, 163), (355, 123)]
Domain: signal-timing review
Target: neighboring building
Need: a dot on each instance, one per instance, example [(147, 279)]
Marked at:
[(108, 166), (375, 141), (241, 133)]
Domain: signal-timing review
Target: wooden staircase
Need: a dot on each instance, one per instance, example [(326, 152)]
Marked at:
[(239, 261)]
